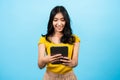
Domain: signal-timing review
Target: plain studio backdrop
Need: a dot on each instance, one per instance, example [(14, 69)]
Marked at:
[(96, 22)]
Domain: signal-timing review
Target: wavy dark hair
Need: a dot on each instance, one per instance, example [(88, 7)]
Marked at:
[(67, 31)]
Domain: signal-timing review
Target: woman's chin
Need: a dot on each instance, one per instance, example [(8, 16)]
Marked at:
[(59, 31)]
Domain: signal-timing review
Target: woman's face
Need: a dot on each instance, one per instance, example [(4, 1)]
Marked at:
[(58, 22)]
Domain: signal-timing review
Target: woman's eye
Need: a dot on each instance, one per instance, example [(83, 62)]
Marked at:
[(62, 19), (54, 19)]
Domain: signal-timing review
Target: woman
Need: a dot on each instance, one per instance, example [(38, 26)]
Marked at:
[(59, 34)]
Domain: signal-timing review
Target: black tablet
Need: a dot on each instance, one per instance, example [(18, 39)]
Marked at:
[(59, 50)]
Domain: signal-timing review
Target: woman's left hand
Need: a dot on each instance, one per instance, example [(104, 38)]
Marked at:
[(67, 62)]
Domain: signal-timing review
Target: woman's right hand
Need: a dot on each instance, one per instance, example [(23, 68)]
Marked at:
[(51, 59)]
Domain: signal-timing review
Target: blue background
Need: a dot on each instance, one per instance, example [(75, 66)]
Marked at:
[(96, 22)]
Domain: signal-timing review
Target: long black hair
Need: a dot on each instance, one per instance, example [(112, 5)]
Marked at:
[(67, 31)]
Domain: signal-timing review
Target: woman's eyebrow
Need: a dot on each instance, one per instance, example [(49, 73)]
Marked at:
[(62, 18), (58, 18)]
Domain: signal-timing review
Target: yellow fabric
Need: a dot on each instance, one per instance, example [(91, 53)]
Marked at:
[(58, 68)]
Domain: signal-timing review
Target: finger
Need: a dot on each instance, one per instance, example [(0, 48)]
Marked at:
[(66, 58), (57, 56), (55, 60), (52, 59), (66, 64), (65, 61)]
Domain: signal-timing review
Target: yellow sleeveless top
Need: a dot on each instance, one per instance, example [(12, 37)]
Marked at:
[(58, 68)]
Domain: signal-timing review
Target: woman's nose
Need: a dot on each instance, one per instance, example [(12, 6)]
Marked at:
[(59, 23)]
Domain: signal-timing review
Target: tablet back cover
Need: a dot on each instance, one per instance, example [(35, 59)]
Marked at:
[(59, 50)]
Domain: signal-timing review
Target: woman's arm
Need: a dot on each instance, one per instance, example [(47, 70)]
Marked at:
[(41, 55), (75, 54), (74, 61)]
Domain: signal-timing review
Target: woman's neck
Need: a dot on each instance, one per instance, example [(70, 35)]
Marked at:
[(58, 34), (55, 38)]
